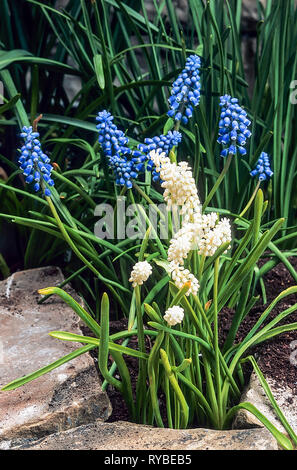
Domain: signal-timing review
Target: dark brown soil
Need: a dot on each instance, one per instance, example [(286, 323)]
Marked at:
[(119, 408), (273, 356)]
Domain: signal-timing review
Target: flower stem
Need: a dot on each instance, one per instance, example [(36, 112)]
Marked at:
[(201, 266), (216, 343), (149, 200), (184, 409), (141, 382), (167, 388), (251, 200), (218, 182)]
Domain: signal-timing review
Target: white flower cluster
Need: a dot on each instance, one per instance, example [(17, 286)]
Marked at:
[(140, 273), (179, 184), (180, 276), (174, 315), (204, 233), (192, 236), (213, 239), (181, 244)]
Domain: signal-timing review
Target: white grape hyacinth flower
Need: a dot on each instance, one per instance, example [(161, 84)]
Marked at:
[(140, 273), (178, 183), (202, 232), (189, 235), (181, 276), (174, 315), (214, 238), (181, 244)]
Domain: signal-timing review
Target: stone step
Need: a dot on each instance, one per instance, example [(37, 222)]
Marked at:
[(68, 396), (254, 393), (127, 436)]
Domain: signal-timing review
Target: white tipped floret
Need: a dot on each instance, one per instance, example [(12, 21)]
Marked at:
[(140, 273), (181, 276), (178, 183), (181, 244), (174, 315), (214, 238)]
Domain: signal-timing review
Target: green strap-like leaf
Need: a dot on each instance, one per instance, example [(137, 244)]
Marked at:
[(66, 336), (282, 440), (79, 310), (271, 398), (44, 370), (98, 65)]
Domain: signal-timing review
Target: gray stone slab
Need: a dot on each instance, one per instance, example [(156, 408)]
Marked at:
[(255, 394), (68, 396), (128, 436)]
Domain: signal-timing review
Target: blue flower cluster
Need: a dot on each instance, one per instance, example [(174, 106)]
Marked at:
[(125, 163), (263, 168), (33, 162), (112, 140), (163, 143), (185, 92), (233, 127)]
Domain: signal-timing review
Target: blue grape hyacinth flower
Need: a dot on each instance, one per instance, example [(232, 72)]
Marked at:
[(233, 127), (163, 143), (112, 139), (35, 164), (185, 93), (263, 168), (124, 170), (125, 163)]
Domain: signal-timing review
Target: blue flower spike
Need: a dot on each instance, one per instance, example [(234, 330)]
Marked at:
[(233, 127), (185, 93), (263, 168), (125, 163), (34, 163), (163, 143)]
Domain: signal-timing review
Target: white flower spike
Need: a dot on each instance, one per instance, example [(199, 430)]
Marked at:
[(174, 315), (180, 276), (140, 273), (204, 233), (179, 184)]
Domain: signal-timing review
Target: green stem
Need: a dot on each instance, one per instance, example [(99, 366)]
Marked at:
[(107, 68), (176, 388), (201, 267), (104, 345), (212, 398), (250, 201), (203, 336), (152, 368), (200, 396), (149, 200), (74, 186), (141, 381), (216, 342), (167, 389), (218, 182)]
